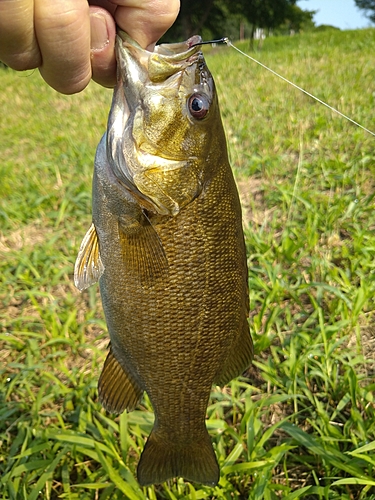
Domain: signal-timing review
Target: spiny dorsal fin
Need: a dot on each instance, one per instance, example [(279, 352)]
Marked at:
[(143, 250), (88, 267), (117, 389)]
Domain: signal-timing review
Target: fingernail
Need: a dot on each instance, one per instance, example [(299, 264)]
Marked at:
[(99, 31)]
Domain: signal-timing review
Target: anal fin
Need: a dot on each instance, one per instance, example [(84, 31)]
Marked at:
[(88, 267), (118, 391)]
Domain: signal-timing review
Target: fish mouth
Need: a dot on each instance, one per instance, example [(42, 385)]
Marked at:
[(179, 50), (166, 59), (173, 51)]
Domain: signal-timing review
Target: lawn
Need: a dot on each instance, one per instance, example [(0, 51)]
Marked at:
[(301, 422)]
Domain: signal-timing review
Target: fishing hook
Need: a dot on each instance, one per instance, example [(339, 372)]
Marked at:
[(221, 40)]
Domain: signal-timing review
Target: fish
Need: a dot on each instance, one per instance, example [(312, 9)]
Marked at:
[(167, 247)]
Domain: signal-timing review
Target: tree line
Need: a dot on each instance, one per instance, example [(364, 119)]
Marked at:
[(240, 18)]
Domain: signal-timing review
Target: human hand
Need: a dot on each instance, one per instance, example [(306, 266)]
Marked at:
[(71, 41)]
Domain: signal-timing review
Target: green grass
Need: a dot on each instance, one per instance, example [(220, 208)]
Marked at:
[(301, 423)]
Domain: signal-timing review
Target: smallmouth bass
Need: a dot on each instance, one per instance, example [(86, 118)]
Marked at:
[(167, 247)]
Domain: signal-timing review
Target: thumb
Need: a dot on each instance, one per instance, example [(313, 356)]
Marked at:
[(146, 20)]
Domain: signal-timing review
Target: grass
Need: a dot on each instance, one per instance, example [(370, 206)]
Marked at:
[(301, 422)]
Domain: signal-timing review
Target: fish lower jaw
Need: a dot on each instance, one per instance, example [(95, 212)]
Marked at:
[(149, 161)]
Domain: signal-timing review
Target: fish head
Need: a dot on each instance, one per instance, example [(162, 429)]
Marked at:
[(163, 123)]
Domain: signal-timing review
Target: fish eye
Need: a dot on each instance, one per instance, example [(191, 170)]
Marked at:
[(198, 105)]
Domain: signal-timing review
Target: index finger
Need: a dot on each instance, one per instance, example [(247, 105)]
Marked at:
[(18, 46), (63, 33)]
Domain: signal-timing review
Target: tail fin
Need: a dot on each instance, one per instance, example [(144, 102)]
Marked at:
[(163, 459)]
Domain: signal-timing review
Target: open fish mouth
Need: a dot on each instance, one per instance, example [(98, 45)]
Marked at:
[(181, 50), (166, 59), (173, 51)]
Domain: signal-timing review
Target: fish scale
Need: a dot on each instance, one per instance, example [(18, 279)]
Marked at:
[(168, 250)]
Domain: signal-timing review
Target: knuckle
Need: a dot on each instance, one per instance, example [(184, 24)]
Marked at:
[(65, 20), (67, 85)]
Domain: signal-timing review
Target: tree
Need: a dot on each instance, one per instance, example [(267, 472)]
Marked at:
[(218, 18), (369, 7), (297, 20), (203, 17), (268, 14)]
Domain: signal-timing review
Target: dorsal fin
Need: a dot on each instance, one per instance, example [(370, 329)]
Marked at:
[(239, 358)]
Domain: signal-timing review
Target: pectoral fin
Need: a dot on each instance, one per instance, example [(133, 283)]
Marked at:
[(143, 250), (88, 267), (117, 389)]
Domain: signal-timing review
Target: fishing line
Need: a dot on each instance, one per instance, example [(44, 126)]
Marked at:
[(230, 44), (221, 40)]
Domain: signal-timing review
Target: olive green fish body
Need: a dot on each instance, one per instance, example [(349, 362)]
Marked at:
[(168, 248)]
